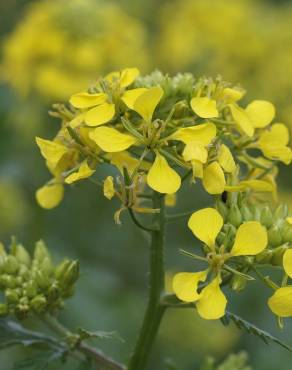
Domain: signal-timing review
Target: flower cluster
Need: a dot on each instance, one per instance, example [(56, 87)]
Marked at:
[(34, 284), (156, 128)]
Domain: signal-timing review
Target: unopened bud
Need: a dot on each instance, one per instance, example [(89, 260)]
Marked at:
[(38, 303), (222, 209), (281, 212), (234, 216), (267, 217), (11, 296), (61, 268), (31, 289), (278, 253), (3, 310), (238, 283), (287, 234), (246, 214), (42, 280), (41, 252), (21, 254), (71, 274), (10, 265), (264, 257), (274, 236)]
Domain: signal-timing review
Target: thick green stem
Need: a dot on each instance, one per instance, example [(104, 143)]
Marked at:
[(155, 310)]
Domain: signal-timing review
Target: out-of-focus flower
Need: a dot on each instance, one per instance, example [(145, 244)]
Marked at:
[(60, 46)]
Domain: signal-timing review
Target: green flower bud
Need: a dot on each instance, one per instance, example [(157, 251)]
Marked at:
[(277, 257), (70, 275), (4, 310), (41, 252), (220, 238), (229, 235), (281, 212), (267, 217), (46, 266), (257, 212), (274, 236), (42, 280), (287, 234), (8, 281), (234, 216), (61, 268), (30, 289), (21, 254), (10, 265), (246, 214), (222, 209), (264, 257), (38, 303), (11, 296), (2, 250), (24, 272), (238, 283), (53, 292)]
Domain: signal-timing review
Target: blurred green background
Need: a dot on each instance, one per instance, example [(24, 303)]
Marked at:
[(51, 49)]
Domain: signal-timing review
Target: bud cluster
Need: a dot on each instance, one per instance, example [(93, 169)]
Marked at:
[(279, 230), (33, 284)]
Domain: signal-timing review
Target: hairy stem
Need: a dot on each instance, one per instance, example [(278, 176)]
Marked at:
[(154, 310)]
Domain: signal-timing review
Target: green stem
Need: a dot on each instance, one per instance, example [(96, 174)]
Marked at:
[(154, 310)]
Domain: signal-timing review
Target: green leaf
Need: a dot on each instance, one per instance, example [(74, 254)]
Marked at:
[(85, 334), (252, 329), (40, 361)]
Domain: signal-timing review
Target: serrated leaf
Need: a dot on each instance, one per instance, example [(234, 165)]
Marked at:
[(85, 334), (253, 329)]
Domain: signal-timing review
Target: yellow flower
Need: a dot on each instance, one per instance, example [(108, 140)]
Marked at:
[(213, 178), (280, 302), (261, 113), (204, 107), (273, 143), (242, 119), (52, 151), (251, 239), (257, 185), (225, 159), (102, 108)]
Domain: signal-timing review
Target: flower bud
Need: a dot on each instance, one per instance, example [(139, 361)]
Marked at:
[(38, 303), (277, 257), (234, 216), (3, 310), (53, 292), (46, 266), (61, 268), (222, 209), (42, 280), (287, 234), (8, 281), (267, 217), (41, 252), (264, 257), (281, 212), (31, 289), (238, 283), (11, 296), (21, 255), (2, 250), (274, 236), (246, 214), (10, 265), (71, 275)]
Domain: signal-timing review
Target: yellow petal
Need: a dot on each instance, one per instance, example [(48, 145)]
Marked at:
[(225, 159), (51, 151), (289, 220), (128, 76), (212, 302), (197, 169), (251, 238), (261, 113), (130, 96), (185, 285), (100, 114), (162, 178), (242, 119), (83, 172), (85, 100), (111, 140), (257, 185), (49, 196), (123, 160), (273, 143), (146, 103), (195, 152), (108, 187), (281, 302), (206, 225), (214, 179), (204, 107), (232, 95), (287, 262), (202, 134)]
